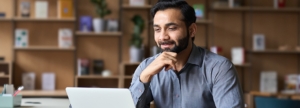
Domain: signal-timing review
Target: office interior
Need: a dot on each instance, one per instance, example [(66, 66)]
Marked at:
[(224, 25)]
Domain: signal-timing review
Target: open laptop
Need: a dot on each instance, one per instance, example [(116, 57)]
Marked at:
[(99, 98)]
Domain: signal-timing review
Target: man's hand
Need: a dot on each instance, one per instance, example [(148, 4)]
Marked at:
[(165, 59)]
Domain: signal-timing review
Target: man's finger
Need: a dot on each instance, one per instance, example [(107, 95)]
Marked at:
[(171, 54)]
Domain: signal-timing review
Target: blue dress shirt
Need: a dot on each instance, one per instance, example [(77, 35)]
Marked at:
[(207, 80)]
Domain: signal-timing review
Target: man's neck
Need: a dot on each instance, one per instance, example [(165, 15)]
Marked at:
[(183, 56)]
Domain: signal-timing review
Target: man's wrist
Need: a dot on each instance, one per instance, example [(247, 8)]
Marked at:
[(145, 78)]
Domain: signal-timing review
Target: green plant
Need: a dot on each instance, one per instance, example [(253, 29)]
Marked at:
[(139, 24), (101, 8)]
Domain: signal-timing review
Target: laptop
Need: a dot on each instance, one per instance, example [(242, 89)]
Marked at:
[(99, 97)]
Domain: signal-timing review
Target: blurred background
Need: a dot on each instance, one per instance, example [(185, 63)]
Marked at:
[(48, 45)]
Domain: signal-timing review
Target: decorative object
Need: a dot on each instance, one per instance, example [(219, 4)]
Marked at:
[(238, 55), (2, 58), (98, 66), (297, 48), (85, 24), (154, 51), (25, 9), (101, 10), (216, 49), (137, 2), (136, 51), (279, 3), (65, 8), (28, 81), (268, 81), (83, 67), (2, 14), (284, 48), (199, 11), (48, 81), (41, 9), (259, 42), (65, 38), (231, 3), (112, 25), (106, 73), (21, 38)]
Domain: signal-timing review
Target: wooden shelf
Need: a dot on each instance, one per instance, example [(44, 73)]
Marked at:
[(275, 51), (44, 93), (130, 64), (45, 19), (78, 33), (6, 19), (44, 48), (4, 76), (203, 22), (128, 77), (126, 6), (257, 9), (243, 65), (96, 77)]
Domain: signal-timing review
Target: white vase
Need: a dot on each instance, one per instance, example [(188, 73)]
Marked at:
[(136, 54), (98, 24)]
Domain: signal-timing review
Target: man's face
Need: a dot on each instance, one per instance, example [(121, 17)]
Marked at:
[(170, 32)]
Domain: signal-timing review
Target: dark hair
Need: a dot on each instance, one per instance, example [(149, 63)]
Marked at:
[(187, 11)]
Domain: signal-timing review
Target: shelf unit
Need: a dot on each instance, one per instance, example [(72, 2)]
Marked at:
[(43, 54), (6, 67)]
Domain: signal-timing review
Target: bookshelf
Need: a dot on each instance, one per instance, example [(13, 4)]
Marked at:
[(53, 19), (44, 48), (276, 52), (114, 34), (258, 9)]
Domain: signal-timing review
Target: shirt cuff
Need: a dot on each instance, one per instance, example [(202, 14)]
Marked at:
[(140, 88)]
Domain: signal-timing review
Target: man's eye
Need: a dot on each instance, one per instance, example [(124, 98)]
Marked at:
[(173, 28), (156, 29)]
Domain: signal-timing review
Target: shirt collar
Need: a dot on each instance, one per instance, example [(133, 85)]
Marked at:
[(196, 56)]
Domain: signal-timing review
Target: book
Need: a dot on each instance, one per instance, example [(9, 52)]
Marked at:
[(65, 38), (83, 67), (48, 81), (21, 38), (98, 66), (268, 81), (199, 11), (259, 42), (85, 24), (65, 9), (41, 9), (28, 81), (25, 8), (238, 55)]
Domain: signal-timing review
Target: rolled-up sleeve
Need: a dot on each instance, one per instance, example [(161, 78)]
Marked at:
[(141, 92), (226, 90)]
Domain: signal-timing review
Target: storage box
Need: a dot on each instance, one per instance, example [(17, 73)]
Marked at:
[(10, 101)]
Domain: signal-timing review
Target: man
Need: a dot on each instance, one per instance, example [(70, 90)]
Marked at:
[(183, 75)]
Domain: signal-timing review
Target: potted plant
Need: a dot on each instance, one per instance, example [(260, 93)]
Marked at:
[(101, 10), (136, 47)]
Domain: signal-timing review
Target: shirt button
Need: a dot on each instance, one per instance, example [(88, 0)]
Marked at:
[(177, 95), (140, 90)]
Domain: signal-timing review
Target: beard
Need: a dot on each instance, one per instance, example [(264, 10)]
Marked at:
[(182, 44)]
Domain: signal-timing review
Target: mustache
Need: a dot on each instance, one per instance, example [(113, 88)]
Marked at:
[(166, 42)]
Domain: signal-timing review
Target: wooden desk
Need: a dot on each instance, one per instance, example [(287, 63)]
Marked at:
[(43, 93)]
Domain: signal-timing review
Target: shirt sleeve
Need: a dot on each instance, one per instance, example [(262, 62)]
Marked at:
[(141, 92), (226, 90)]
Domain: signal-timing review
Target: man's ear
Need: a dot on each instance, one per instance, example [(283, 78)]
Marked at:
[(192, 30)]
